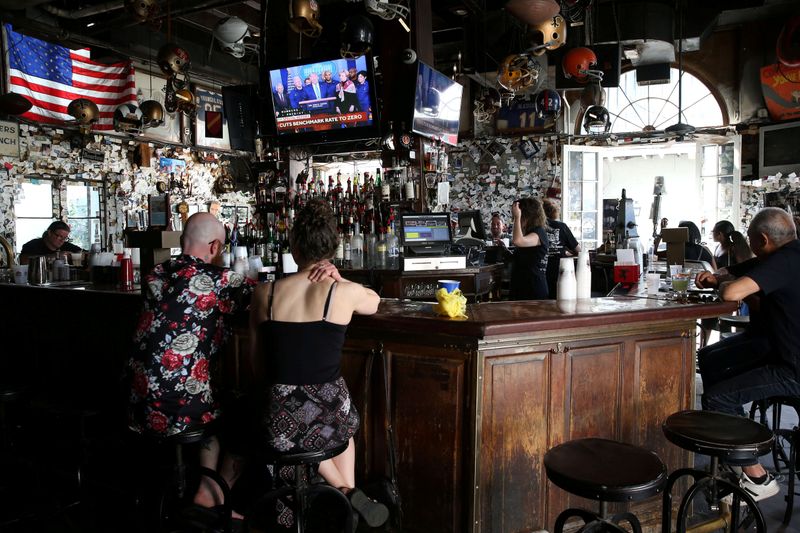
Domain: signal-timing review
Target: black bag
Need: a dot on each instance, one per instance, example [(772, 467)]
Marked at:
[(385, 489)]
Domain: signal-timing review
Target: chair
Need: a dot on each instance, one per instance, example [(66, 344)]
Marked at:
[(733, 440), (783, 437), (607, 471), (301, 489)]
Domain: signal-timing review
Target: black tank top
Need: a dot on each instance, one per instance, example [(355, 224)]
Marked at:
[(302, 353)]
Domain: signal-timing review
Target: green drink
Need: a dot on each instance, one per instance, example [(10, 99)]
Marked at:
[(680, 285)]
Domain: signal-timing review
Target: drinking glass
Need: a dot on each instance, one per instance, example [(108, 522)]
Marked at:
[(680, 282)]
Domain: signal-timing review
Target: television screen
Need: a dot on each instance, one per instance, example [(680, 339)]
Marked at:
[(324, 100), (437, 105), (424, 228)]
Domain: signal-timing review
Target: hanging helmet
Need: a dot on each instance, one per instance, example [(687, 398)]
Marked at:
[(128, 118), (486, 106), (14, 104), (533, 12), (357, 34), (547, 104), (304, 17), (548, 35), (186, 101), (596, 120), (83, 110), (231, 33), (152, 114), (788, 47), (518, 72), (387, 10), (141, 10), (172, 59), (577, 64)]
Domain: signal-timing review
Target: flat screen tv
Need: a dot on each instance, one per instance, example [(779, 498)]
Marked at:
[(437, 105), (324, 101), (777, 149), (425, 233)]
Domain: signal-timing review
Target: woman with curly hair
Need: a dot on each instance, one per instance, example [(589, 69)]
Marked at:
[(529, 265), (297, 330)]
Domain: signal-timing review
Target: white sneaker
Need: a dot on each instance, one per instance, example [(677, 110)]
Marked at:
[(760, 491)]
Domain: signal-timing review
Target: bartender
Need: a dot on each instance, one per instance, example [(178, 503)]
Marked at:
[(52, 241)]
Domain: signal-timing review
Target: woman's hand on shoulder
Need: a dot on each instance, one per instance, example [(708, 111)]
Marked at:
[(322, 270)]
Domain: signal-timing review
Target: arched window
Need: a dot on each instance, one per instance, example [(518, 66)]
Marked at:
[(641, 107)]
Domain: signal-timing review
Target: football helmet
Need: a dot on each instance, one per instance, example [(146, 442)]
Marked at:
[(788, 46), (128, 118), (152, 114), (141, 10), (547, 104), (186, 101), (592, 94), (14, 104), (486, 106), (596, 120), (387, 10), (304, 17), (577, 65), (231, 33), (548, 35), (84, 111), (357, 35), (519, 72), (172, 59)]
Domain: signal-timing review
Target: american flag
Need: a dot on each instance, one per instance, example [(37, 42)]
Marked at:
[(51, 76)]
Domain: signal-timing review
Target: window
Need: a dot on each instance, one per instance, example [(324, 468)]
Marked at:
[(43, 199), (582, 214)]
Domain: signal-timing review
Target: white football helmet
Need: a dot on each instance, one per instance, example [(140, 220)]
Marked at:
[(387, 10), (231, 33)]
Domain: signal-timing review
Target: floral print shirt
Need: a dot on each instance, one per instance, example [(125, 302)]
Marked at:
[(183, 325)]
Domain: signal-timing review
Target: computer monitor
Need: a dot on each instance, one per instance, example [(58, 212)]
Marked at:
[(425, 233), (470, 224)]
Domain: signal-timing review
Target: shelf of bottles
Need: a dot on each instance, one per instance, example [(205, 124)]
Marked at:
[(366, 208)]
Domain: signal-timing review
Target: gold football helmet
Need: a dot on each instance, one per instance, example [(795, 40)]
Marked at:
[(518, 72), (304, 17), (84, 111), (548, 35), (152, 114)]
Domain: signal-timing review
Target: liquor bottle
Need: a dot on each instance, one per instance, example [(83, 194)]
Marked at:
[(392, 249), (381, 252), (338, 258), (386, 190), (357, 248)]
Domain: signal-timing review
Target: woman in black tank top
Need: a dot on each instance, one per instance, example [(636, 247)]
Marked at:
[(307, 404)]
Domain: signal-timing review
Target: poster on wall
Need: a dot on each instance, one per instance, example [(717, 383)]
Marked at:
[(9, 138), (153, 88), (211, 126)]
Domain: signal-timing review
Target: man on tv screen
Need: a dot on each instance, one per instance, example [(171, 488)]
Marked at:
[(316, 95), (297, 94), (280, 98)]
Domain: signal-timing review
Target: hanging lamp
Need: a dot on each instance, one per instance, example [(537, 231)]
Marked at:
[(680, 129)]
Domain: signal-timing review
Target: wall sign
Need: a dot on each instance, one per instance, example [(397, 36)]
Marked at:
[(212, 128), (9, 138)]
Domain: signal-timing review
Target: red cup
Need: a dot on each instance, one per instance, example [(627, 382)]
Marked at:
[(126, 274)]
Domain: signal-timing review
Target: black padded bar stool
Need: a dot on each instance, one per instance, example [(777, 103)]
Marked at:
[(302, 488), (607, 471), (783, 459), (177, 486), (734, 440)]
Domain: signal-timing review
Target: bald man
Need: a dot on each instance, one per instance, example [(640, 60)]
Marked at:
[(763, 361), (188, 305)]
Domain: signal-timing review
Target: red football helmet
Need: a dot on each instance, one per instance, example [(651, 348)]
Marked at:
[(577, 64), (788, 47)]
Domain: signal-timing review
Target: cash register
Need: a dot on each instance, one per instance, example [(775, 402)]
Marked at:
[(426, 240)]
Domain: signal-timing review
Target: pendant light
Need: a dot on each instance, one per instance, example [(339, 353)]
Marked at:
[(680, 129)]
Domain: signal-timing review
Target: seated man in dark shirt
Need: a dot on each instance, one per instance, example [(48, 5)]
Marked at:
[(53, 240), (763, 361)]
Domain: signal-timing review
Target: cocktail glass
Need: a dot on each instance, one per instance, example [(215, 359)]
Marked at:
[(680, 282)]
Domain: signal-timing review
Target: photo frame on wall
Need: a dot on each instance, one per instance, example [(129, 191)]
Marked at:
[(211, 128), (154, 88), (158, 210)]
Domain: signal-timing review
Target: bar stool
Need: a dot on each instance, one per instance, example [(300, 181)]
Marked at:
[(301, 489), (607, 471), (733, 439), (783, 437), (172, 505)]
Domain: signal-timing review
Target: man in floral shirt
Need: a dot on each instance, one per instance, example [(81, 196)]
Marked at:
[(188, 303)]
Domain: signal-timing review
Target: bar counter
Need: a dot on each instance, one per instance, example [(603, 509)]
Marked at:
[(475, 402)]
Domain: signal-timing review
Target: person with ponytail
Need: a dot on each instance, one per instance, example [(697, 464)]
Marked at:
[(297, 331), (721, 234)]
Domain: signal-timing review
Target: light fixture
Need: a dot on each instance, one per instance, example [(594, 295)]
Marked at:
[(404, 25), (90, 24), (680, 129)]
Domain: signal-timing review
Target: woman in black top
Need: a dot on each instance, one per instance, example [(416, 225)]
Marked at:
[(694, 249), (721, 233), (529, 265)]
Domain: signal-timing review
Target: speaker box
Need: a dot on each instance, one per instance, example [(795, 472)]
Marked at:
[(655, 74), (241, 110), (608, 60)]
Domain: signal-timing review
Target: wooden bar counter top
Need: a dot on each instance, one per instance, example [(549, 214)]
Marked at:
[(477, 402)]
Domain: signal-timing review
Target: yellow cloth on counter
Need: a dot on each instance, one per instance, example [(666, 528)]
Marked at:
[(452, 304)]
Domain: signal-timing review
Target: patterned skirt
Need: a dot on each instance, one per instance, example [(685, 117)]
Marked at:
[(310, 417)]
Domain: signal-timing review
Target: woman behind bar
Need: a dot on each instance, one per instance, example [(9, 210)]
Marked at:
[(724, 254), (297, 326), (529, 270)]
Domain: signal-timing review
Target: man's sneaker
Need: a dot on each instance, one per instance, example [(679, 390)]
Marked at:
[(760, 491)]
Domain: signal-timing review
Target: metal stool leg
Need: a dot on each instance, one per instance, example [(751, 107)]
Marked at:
[(588, 517), (794, 436)]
